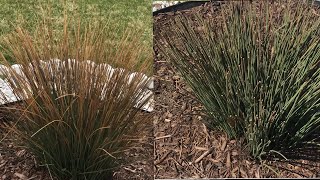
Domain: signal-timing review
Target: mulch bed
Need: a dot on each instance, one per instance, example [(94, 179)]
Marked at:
[(184, 147)]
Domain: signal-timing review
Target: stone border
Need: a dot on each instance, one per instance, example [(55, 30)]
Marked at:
[(8, 95)]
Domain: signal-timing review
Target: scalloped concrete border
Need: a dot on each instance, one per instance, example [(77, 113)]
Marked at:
[(6, 90)]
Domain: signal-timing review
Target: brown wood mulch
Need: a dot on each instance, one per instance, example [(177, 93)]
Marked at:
[(184, 147)]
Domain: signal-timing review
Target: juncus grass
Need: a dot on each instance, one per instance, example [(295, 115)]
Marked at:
[(255, 69)]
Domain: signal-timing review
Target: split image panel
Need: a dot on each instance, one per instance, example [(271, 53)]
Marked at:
[(76, 83), (236, 90)]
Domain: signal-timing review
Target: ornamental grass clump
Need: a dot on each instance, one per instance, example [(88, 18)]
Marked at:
[(255, 67), (80, 98)]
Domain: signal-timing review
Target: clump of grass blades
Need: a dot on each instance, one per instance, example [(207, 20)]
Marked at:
[(79, 118), (255, 69)]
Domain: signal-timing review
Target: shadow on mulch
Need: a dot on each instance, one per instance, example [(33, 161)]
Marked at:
[(184, 147)]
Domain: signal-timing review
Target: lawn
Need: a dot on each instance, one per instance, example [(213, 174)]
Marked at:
[(135, 14)]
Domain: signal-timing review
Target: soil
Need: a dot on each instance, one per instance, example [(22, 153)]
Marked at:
[(16, 163), (184, 147)]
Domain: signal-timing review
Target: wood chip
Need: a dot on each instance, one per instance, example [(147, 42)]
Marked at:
[(233, 175), (169, 115), (234, 153), (184, 106), (215, 160), (247, 162), (243, 173), (257, 173), (204, 155), (297, 176), (3, 163), (21, 176), (21, 153), (162, 137), (131, 170), (163, 158), (224, 144), (235, 170), (196, 176), (205, 130), (228, 162), (175, 77), (201, 148)]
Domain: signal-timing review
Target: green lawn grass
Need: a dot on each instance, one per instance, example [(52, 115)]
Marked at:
[(135, 14)]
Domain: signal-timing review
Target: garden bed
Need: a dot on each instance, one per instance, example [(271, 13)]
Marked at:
[(184, 147), (18, 160)]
